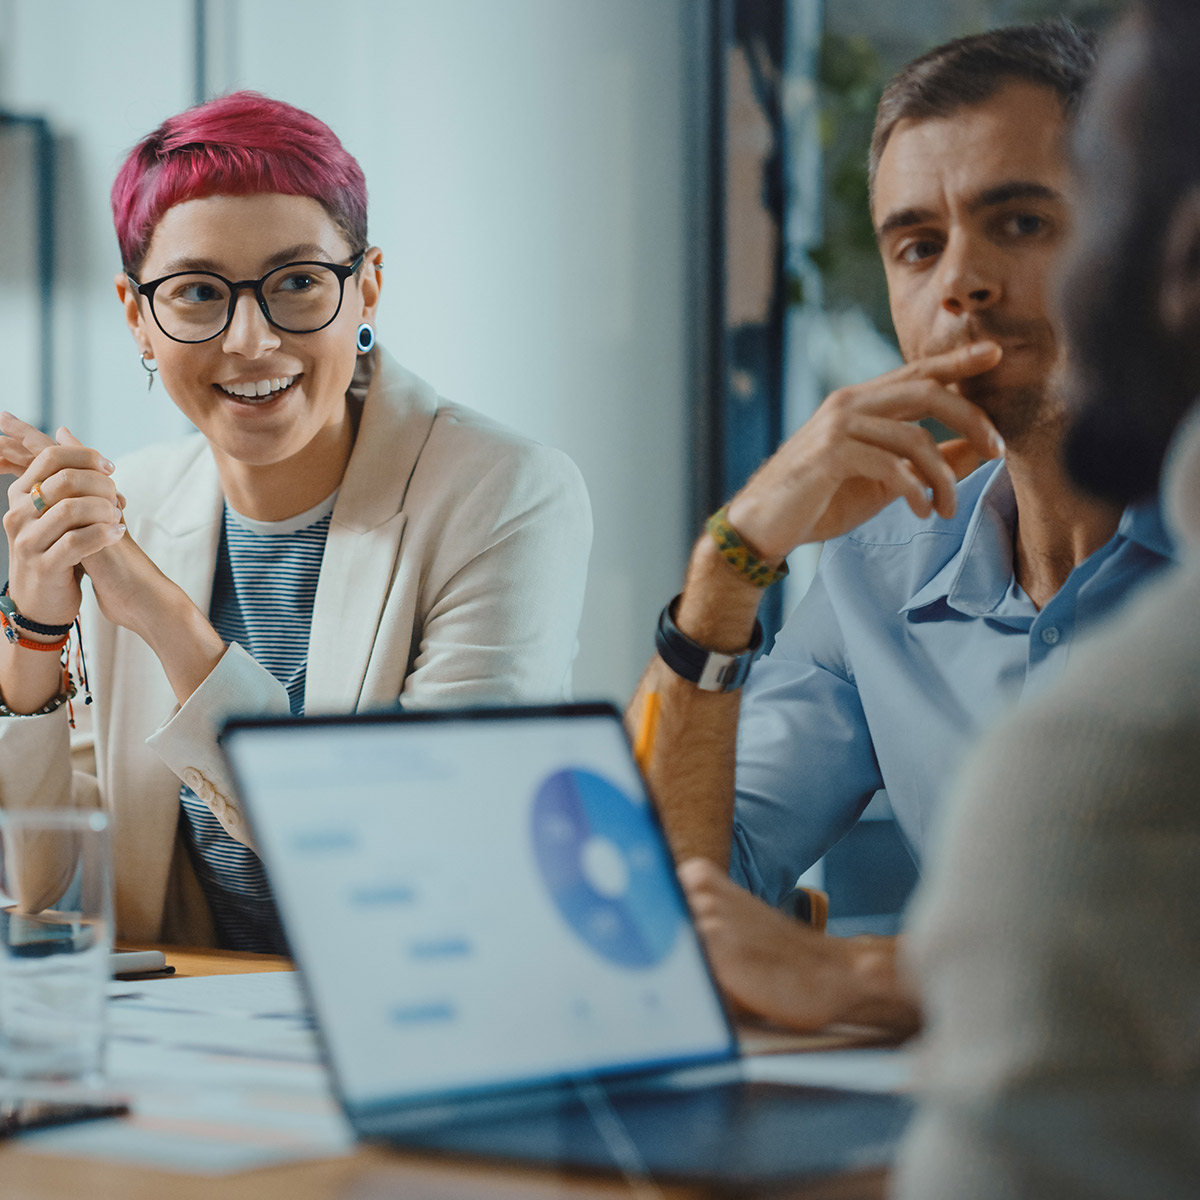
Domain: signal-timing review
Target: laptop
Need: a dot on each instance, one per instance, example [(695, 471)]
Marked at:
[(500, 961)]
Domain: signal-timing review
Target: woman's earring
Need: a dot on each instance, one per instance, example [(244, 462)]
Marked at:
[(366, 338), (150, 369)]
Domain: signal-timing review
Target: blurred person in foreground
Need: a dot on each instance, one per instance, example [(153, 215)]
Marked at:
[(936, 604), (1058, 933)]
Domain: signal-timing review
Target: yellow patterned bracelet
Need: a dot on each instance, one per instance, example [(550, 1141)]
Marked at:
[(736, 553)]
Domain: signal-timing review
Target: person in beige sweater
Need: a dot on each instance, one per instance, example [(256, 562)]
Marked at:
[(1057, 934), (334, 536)]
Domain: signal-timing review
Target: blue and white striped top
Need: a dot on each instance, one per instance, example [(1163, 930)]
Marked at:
[(263, 593)]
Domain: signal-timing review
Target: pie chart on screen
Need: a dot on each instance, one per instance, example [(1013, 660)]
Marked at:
[(603, 864)]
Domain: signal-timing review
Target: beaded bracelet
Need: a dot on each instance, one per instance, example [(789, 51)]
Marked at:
[(9, 609), (738, 555), (69, 690), (64, 697)]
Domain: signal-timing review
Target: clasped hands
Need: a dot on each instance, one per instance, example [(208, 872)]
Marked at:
[(77, 526)]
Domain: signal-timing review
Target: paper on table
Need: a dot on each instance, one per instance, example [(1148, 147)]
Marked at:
[(268, 993), (208, 1114), (856, 1070), (224, 1075)]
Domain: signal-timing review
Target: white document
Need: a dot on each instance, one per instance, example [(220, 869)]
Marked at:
[(866, 1070)]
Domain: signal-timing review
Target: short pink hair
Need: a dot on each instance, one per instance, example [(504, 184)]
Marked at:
[(238, 145)]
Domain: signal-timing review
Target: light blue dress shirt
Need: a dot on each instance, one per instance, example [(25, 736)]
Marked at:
[(912, 639)]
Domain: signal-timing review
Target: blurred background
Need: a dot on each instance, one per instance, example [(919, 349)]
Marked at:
[(633, 229)]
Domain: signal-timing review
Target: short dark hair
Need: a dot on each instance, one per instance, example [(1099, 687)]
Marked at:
[(1056, 54)]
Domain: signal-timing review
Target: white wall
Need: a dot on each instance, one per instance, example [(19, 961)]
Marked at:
[(530, 175)]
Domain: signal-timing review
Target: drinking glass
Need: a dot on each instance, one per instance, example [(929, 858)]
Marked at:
[(55, 940)]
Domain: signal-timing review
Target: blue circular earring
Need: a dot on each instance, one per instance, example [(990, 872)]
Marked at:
[(365, 339)]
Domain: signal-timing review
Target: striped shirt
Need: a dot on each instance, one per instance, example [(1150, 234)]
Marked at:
[(263, 593)]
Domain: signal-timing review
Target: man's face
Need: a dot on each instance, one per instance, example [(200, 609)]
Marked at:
[(970, 211), (1127, 383)]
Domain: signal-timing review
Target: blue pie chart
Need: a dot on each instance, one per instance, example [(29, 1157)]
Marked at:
[(604, 865)]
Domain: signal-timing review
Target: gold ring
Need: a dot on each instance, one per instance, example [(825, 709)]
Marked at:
[(35, 494)]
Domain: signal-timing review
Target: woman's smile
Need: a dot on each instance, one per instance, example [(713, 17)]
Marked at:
[(259, 390)]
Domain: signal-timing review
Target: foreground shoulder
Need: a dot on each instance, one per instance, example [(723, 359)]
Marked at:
[(1114, 745)]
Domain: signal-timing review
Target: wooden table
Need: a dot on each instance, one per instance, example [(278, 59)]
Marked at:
[(370, 1173)]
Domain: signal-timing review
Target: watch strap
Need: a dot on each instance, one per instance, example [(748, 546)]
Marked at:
[(709, 670)]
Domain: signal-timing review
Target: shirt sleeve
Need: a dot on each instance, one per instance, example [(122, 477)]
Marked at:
[(36, 764), (503, 619), (806, 765)]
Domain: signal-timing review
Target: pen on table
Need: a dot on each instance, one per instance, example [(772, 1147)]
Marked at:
[(643, 744)]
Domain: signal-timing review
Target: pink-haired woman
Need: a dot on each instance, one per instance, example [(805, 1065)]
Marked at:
[(336, 537)]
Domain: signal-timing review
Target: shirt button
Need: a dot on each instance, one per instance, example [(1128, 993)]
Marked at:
[(1050, 635)]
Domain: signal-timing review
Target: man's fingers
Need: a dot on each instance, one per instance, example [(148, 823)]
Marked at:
[(914, 444), (917, 398), (953, 365), (961, 457), (894, 477)]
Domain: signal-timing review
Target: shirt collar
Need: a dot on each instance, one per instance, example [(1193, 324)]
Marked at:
[(1143, 523), (977, 580)]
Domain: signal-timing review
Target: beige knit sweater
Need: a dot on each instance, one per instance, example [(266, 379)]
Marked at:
[(1057, 933)]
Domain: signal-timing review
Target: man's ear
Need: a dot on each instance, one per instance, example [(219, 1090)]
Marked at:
[(1179, 278)]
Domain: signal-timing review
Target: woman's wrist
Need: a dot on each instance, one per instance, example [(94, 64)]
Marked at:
[(182, 639), (29, 679)]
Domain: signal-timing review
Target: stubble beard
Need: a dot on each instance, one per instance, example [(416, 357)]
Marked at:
[(1026, 415)]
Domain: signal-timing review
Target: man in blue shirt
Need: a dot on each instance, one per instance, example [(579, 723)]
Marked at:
[(937, 603)]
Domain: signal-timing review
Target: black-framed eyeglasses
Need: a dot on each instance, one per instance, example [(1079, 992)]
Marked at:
[(197, 306)]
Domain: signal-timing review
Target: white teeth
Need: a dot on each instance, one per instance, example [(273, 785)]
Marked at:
[(264, 387)]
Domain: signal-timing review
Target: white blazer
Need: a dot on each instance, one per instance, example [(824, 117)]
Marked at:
[(453, 573)]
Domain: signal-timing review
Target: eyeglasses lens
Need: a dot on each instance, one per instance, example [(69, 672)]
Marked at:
[(300, 297)]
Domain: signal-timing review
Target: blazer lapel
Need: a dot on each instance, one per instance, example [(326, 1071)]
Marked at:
[(183, 536), (365, 533)]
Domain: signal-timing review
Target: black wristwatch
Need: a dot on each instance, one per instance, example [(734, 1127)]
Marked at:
[(709, 670)]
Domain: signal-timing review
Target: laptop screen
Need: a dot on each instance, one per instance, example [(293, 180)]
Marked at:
[(477, 900)]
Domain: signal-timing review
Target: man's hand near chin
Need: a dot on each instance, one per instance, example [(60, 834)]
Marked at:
[(775, 967)]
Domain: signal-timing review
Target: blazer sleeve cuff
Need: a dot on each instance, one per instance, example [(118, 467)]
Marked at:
[(187, 740)]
